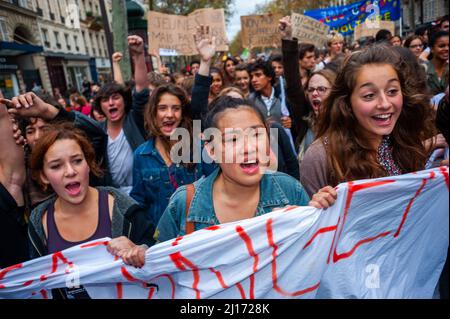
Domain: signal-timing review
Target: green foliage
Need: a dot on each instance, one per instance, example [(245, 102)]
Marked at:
[(236, 45)]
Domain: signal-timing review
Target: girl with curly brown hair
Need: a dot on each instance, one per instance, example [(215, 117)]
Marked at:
[(374, 123)]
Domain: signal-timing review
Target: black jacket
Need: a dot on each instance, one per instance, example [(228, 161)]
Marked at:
[(13, 231), (295, 94), (442, 118)]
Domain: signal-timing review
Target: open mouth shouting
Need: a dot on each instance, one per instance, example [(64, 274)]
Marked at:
[(250, 167), (383, 119), (168, 126), (316, 103), (113, 113), (73, 188)]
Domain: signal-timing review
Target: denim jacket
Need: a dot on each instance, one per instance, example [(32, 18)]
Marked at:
[(154, 182), (277, 190)]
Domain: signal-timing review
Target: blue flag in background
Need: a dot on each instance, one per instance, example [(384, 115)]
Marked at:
[(344, 19)]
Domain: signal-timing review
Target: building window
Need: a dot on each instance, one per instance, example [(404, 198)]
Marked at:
[(60, 10), (45, 37), (75, 40), (66, 37), (3, 30), (23, 3), (39, 10), (58, 43), (92, 44)]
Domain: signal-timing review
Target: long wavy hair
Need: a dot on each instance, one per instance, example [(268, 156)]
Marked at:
[(349, 154), (151, 109)]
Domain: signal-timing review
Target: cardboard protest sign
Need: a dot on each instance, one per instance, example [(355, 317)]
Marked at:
[(260, 31), (370, 28), (383, 238), (309, 30), (175, 33)]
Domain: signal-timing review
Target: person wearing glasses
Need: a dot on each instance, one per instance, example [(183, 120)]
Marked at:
[(318, 89), (415, 44)]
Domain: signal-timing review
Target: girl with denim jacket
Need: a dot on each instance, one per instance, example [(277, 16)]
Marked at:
[(157, 173), (241, 187)]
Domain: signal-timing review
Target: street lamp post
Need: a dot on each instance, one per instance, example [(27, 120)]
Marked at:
[(109, 41)]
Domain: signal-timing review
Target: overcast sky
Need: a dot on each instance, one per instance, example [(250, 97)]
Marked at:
[(241, 8)]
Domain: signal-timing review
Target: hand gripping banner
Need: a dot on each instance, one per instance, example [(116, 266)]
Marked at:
[(383, 238)]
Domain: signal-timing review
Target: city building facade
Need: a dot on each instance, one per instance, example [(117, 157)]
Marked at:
[(54, 44)]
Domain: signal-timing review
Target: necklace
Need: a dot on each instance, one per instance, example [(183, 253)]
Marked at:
[(386, 159)]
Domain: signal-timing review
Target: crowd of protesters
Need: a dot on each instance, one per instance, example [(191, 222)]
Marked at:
[(102, 162)]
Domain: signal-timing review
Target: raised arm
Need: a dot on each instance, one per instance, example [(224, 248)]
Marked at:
[(294, 90), (206, 47), (136, 45), (116, 58), (12, 162), (30, 105)]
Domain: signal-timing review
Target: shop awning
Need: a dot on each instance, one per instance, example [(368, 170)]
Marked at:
[(67, 56), (14, 48)]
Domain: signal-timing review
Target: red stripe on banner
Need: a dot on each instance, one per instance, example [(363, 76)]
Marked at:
[(28, 283), (172, 283), (297, 293), (219, 278), (291, 208), (352, 189), (405, 214), (179, 260), (277, 288), (241, 290), (44, 294), (3, 272), (119, 289), (177, 240), (131, 278), (128, 276), (151, 292), (215, 227), (55, 258), (251, 251), (332, 243), (444, 172), (320, 231), (364, 241), (99, 243)]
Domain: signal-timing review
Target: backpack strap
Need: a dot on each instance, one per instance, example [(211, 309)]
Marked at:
[(189, 195)]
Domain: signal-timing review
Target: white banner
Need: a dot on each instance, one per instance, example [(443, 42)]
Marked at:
[(383, 238)]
